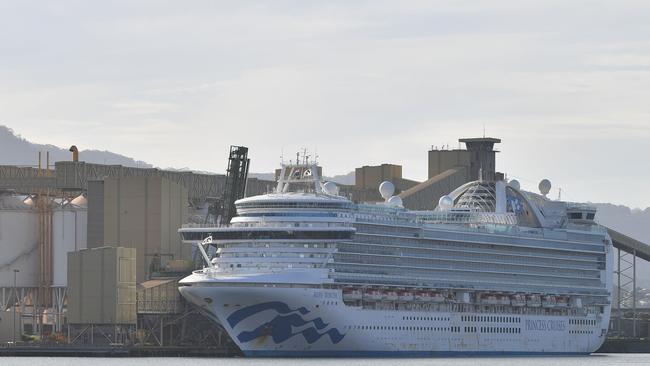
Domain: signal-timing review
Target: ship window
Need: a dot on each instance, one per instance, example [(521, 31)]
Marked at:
[(591, 216), (575, 215)]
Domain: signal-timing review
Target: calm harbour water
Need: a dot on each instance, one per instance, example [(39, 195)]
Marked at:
[(599, 360)]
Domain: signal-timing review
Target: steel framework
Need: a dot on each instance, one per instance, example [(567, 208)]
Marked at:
[(236, 176), (30, 308), (626, 287)]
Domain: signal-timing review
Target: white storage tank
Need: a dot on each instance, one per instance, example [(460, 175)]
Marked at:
[(18, 241), (69, 223)]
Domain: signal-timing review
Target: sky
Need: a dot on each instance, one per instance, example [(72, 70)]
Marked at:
[(564, 84)]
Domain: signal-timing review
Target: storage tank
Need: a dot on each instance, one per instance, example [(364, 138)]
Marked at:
[(69, 223), (18, 241)]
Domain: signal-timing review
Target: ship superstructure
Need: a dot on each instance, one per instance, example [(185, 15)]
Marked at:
[(492, 270)]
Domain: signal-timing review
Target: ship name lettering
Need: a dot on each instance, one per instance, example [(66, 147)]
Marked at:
[(546, 325)]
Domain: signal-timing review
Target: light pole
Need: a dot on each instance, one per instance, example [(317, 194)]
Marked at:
[(16, 296)]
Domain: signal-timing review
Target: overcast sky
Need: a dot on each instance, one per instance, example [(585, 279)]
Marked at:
[(565, 84)]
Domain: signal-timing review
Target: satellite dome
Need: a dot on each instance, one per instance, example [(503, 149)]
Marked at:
[(545, 186), (515, 184), (395, 201), (445, 203), (331, 188), (386, 189)]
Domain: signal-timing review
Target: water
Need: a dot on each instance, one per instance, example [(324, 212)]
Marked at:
[(594, 360)]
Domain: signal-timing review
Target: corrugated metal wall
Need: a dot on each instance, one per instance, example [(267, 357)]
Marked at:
[(101, 286), (95, 214)]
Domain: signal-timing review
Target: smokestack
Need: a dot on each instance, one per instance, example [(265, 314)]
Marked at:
[(75, 153)]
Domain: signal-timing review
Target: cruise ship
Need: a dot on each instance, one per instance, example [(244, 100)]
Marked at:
[(493, 270)]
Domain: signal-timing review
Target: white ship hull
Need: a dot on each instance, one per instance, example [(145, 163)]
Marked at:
[(299, 322)]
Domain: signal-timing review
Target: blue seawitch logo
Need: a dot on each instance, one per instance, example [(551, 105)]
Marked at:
[(280, 328)]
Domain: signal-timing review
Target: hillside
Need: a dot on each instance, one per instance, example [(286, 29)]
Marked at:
[(15, 150)]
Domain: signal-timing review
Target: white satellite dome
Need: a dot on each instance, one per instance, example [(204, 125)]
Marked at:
[(515, 184), (395, 201), (331, 188), (386, 189), (545, 186), (445, 203)]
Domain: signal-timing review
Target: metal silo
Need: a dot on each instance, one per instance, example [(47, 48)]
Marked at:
[(18, 242)]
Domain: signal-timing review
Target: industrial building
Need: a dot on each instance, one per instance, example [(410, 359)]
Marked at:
[(368, 178), (451, 168), (66, 232), (447, 170), (139, 212)]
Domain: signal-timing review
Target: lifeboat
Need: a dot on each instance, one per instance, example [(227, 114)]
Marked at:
[(533, 301), (549, 301), (373, 295), (391, 296), (489, 299), (423, 296), (437, 297), (503, 300), (350, 294), (562, 302), (405, 296), (518, 300)]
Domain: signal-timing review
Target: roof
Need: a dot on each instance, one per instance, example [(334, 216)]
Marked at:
[(292, 197), (481, 139)]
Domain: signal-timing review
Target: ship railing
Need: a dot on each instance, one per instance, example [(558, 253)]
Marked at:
[(580, 206), (586, 227), (392, 220), (449, 217), (196, 225)]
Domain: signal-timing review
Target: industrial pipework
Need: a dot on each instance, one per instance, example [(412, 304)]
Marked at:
[(75, 153)]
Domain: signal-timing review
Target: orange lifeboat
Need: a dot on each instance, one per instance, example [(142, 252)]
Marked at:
[(549, 301), (518, 300), (373, 295), (534, 301), (503, 300), (405, 296), (423, 296), (351, 294), (437, 297), (562, 302), (391, 296), (489, 299)]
